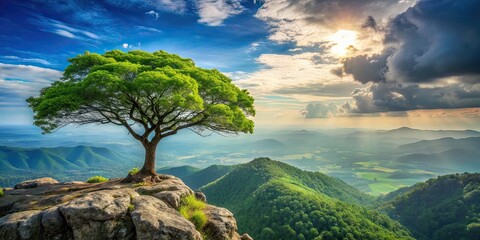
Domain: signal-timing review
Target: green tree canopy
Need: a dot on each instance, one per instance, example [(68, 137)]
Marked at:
[(161, 93)]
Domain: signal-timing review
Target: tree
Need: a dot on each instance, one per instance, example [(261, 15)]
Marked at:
[(152, 95)]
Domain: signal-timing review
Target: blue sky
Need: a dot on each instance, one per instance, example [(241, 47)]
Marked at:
[(311, 63), (45, 34)]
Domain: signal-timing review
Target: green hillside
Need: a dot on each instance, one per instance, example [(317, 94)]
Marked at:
[(273, 200), (207, 175), (196, 178), (447, 207), (181, 172)]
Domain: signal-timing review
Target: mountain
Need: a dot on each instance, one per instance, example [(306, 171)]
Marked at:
[(446, 207), (263, 145), (273, 200), (58, 159), (439, 145), (181, 172), (207, 175), (195, 177), (405, 135), (405, 132), (456, 159)]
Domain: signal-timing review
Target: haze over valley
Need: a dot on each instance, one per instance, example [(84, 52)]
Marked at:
[(374, 161)]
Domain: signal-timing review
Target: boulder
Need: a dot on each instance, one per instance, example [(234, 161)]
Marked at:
[(220, 224), (54, 225), (170, 190), (35, 183), (100, 215), (21, 225), (200, 196), (154, 219)]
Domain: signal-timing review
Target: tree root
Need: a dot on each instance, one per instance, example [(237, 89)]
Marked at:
[(145, 178)]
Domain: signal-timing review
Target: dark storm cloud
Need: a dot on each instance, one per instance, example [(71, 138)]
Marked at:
[(367, 68), (384, 97), (431, 40), (434, 39), (370, 22)]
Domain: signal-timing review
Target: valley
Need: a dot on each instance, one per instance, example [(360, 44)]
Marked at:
[(375, 162)]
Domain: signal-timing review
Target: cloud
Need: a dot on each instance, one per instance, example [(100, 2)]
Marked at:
[(153, 13), (18, 82), (125, 45), (384, 97), (28, 60), (174, 6), (333, 89), (370, 22), (64, 33), (429, 61), (365, 68), (292, 74), (319, 110), (428, 42), (149, 29), (238, 75), (309, 22), (435, 39), (62, 29), (214, 12)]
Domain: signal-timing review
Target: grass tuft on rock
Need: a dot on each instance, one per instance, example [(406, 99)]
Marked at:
[(192, 209), (133, 171), (97, 179), (1, 192)]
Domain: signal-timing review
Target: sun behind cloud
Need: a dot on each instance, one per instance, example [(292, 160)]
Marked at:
[(342, 41)]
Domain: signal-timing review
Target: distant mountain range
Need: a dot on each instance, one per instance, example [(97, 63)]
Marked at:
[(440, 145), (14, 160), (447, 153), (406, 132)]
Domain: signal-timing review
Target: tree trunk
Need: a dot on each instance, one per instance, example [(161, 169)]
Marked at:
[(149, 164)]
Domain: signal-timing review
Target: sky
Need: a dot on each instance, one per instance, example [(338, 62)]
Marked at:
[(308, 63)]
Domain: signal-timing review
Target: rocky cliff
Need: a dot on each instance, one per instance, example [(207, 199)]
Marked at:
[(46, 209)]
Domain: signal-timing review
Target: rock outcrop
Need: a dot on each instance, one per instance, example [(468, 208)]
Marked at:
[(110, 210), (35, 183)]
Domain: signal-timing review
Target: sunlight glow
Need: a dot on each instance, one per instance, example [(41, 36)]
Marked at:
[(342, 40)]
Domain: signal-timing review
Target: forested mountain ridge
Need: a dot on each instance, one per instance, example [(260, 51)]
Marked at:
[(273, 200), (446, 207), (58, 159)]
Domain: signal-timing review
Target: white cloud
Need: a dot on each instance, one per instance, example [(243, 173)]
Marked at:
[(64, 33), (18, 82), (62, 29), (214, 12), (178, 6), (30, 60), (289, 74), (153, 13), (174, 6), (149, 29), (125, 45)]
